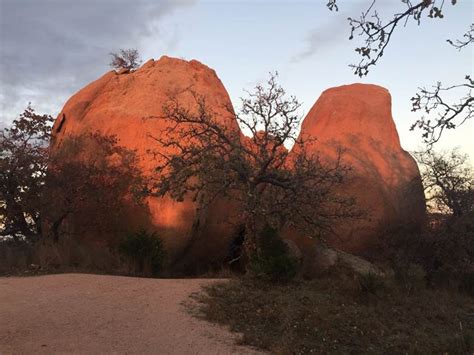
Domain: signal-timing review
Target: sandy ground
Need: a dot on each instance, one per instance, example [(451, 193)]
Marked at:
[(79, 313)]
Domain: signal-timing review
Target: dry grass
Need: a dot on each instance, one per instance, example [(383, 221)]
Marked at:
[(66, 256), (70, 256), (339, 316)]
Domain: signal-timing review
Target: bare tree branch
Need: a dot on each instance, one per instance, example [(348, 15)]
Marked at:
[(468, 38), (448, 115), (377, 33)]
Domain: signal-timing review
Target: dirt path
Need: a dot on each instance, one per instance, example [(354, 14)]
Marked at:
[(82, 313)]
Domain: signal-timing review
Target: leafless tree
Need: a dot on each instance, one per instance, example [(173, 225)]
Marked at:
[(126, 59), (448, 180), (210, 159)]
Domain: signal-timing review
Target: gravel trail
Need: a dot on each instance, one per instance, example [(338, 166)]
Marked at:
[(82, 313)]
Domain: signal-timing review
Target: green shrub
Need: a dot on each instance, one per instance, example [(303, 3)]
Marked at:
[(272, 260), (145, 251), (371, 283)]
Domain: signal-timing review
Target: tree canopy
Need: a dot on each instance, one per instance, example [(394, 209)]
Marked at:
[(23, 167)]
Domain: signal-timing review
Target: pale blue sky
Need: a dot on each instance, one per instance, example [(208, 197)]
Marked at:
[(51, 51)]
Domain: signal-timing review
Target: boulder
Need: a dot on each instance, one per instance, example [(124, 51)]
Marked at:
[(324, 259), (384, 180), (131, 108)]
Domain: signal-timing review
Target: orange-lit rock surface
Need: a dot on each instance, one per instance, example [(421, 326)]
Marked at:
[(122, 105), (385, 179)]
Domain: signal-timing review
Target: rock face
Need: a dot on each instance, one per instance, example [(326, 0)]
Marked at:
[(129, 105), (385, 179)]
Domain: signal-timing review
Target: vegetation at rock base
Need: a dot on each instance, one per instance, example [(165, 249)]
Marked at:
[(335, 315), (50, 202), (423, 304), (145, 251), (273, 261), (66, 255)]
